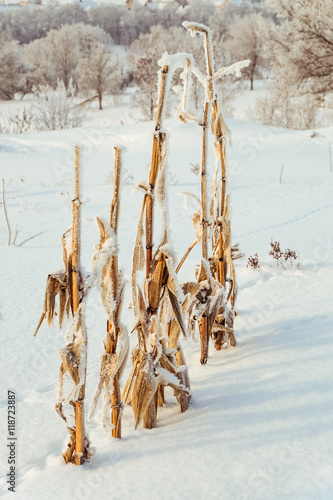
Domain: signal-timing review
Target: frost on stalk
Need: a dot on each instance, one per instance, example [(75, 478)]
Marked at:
[(74, 354), (113, 360), (152, 355), (138, 262), (208, 296)]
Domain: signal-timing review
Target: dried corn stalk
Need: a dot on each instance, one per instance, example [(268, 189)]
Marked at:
[(217, 270), (111, 283), (72, 289), (154, 363)]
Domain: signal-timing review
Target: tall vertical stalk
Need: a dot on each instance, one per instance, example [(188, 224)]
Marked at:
[(76, 241), (150, 417), (112, 335), (221, 154), (158, 139), (204, 337), (222, 252)]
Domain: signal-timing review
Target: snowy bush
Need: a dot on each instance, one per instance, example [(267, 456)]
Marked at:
[(16, 122), (56, 109), (283, 107)]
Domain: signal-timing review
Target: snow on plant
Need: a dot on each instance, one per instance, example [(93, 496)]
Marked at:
[(111, 284), (209, 296), (154, 362), (72, 287), (56, 108)]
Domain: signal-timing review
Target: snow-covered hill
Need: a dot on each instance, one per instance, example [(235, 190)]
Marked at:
[(260, 425)]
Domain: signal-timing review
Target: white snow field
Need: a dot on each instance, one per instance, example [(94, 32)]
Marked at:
[(260, 426)]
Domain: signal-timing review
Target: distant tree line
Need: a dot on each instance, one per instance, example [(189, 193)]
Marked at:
[(107, 48)]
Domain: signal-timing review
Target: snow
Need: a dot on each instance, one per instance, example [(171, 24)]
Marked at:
[(260, 423)]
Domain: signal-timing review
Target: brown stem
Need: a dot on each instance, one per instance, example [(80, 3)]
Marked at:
[(150, 417), (204, 340), (221, 153), (203, 183), (5, 211), (79, 405), (116, 408), (208, 54), (154, 171), (112, 333)]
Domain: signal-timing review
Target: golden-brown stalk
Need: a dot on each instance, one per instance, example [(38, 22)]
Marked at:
[(204, 183), (149, 420), (112, 334), (79, 405), (222, 263), (204, 337), (154, 171)]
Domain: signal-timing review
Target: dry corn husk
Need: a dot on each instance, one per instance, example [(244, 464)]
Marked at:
[(145, 386), (59, 283), (112, 288)]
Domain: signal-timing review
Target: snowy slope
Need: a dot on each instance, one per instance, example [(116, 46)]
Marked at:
[(260, 425)]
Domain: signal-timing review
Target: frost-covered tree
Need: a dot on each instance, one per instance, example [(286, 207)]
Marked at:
[(58, 55), (109, 18), (199, 11), (31, 22), (125, 26), (64, 53), (99, 74), (88, 38), (144, 74), (246, 42), (302, 45), (11, 66), (37, 55)]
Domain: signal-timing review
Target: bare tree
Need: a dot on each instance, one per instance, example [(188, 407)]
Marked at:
[(99, 74), (64, 53), (302, 45), (58, 55), (12, 69), (246, 42)]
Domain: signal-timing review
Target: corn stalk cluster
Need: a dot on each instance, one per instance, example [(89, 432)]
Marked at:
[(157, 360), (164, 310), (72, 287)]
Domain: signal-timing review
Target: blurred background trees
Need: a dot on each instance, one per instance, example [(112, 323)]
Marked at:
[(109, 47)]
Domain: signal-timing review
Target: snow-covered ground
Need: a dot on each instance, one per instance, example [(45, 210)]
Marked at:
[(260, 426)]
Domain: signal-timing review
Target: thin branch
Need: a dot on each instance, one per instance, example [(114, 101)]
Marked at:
[(31, 238), (5, 211)]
